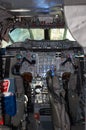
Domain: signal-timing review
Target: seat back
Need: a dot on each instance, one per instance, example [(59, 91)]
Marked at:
[(59, 115), (20, 101)]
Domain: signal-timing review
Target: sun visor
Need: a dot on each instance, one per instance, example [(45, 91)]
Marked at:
[(75, 17)]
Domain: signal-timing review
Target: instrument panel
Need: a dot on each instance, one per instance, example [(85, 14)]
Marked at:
[(38, 61), (44, 62)]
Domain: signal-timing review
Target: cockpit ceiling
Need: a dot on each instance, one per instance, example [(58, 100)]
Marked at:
[(29, 3), (31, 7)]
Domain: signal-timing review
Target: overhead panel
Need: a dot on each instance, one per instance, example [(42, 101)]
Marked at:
[(31, 3), (34, 6)]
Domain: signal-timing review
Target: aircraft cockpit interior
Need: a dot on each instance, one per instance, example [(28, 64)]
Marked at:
[(42, 65)]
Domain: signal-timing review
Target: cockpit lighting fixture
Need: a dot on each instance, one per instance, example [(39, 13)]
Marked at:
[(20, 10)]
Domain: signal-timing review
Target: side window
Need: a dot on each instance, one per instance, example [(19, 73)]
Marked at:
[(19, 35)]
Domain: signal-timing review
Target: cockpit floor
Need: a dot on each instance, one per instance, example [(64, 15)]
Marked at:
[(78, 127), (32, 125)]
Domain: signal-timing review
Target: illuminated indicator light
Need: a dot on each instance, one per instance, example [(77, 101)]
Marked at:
[(36, 116), (1, 120)]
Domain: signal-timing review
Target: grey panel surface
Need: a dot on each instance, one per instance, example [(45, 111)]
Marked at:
[(20, 112), (19, 84), (12, 62), (74, 2), (20, 101)]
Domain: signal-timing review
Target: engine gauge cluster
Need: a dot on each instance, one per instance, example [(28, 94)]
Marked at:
[(39, 90)]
